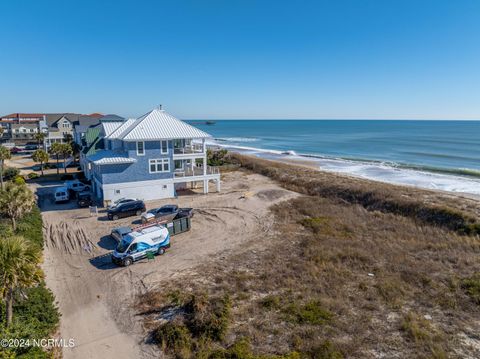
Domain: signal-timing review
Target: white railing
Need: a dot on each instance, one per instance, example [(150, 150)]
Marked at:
[(196, 171), (193, 148)]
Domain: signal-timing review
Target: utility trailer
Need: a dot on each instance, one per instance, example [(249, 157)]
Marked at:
[(177, 226)]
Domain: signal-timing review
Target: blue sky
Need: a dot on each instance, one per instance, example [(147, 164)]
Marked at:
[(243, 59)]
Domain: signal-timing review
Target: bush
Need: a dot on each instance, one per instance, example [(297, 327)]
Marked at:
[(30, 226), (10, 173), (38, 307), (270, 302), (19, 180), (33, 175), (241, 350), (471, 286), (208, 318), (326, 350), (174, 337), (310, 313), (217, 157)]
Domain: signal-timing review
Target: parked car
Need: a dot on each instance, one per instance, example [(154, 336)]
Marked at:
[(120, 232), (139, 244), (84, 199), (166, 213), (121, 201), (31, 147), (61, 195), (134, 208), (75, 186), (15, 150)]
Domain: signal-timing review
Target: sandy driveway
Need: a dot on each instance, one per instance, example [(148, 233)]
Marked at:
[(96, 298)]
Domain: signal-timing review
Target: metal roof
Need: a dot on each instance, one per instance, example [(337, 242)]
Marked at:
[(120, 130), (108, 157), (159, 125), (110, 126)]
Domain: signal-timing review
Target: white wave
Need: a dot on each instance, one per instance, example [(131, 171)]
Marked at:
[(378, 171), (237, 139)]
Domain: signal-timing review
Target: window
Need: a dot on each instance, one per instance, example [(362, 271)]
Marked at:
[(164, 146), (140, 148), (159, 165), (178, 164)]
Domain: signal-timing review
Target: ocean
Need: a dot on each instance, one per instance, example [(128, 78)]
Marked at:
[(443, 155)]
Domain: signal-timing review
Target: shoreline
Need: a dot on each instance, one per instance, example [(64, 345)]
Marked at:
[(316, 164)]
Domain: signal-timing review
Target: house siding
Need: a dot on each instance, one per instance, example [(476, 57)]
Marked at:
[(140, 170)]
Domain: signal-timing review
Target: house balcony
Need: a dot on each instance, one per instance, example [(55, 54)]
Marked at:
[(190, 151), (196, 172)]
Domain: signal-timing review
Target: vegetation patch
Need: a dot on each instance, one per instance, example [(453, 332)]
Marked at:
[(378, 197), (310, 313), (471, 286), (427, 338)]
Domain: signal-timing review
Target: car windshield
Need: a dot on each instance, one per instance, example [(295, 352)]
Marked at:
[(123, 245)]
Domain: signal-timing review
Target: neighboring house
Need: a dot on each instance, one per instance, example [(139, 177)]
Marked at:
[(149, 158), (59, 125), (85, 122), (21, 128)]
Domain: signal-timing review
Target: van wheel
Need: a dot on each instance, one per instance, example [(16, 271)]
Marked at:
[(115, 218), (127, 262), (138, 213), (161, 250)]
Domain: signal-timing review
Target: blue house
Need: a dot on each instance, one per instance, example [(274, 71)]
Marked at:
[(149, 158)]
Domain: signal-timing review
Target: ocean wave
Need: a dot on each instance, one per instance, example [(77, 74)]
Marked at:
[(237, 139)]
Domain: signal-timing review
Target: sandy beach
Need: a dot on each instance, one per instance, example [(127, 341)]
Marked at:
[(97, 299)]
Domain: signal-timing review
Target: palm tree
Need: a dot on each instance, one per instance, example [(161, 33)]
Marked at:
[(15, 201), (19, 268), (40, 137), (55, 150), (4, 155), (66, 150), (40, 156)]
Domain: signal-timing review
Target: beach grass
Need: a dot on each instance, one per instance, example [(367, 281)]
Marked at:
[(341, 278)]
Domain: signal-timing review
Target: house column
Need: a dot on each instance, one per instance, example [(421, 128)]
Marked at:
[(205, 186), (218, 185), (204, 157)]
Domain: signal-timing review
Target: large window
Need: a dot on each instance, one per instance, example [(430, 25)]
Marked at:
[(140, 148), (159, 165), (164, 146)]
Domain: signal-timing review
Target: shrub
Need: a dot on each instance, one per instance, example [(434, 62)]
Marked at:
[(208, 317), (241, 349), (30, 226), (420, 331), (471, 286), (326, 350), (10, 173), (33, 175), (19, 180), (310, 313), (270, 302), (175, 337), (38, 307)]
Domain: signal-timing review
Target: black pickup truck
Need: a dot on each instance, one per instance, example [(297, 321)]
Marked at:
[(166, 213)]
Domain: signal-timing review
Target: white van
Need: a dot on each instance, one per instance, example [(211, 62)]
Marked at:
[(137, 245), (61, 194)]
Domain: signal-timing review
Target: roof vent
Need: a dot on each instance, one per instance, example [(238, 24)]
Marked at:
[(159, 107)]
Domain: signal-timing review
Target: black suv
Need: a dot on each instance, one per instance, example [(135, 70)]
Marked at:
[(134, 208)]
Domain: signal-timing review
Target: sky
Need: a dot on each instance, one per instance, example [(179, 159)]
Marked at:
[(220, 59)]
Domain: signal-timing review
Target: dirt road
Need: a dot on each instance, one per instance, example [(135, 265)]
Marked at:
[(96, 298)]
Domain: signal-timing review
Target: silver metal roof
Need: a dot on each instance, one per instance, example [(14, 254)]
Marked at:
[(109, 126), (159, 125), (121, 129), (108, 157)]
